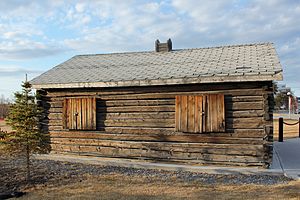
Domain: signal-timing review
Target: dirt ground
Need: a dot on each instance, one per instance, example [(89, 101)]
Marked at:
[(137, 188), (63, 180)]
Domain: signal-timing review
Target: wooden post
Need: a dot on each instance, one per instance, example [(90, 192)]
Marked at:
[(280, 130)]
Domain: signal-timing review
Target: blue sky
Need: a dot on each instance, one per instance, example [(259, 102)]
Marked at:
[(37, 35)]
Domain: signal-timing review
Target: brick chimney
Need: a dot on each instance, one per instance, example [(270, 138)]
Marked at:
[(163, 47)]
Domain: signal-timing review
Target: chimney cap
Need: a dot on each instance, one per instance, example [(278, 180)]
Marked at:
[(163, 47)]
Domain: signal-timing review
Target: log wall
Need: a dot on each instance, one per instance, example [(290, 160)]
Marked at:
[(139, 123)]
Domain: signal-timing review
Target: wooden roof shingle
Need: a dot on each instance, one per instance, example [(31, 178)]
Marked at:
[(250, 62)]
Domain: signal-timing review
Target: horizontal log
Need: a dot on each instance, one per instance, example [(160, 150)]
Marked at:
[(137, 115), (230, 98), (165, 108), (244, 133), (246, 123), (244, 106), (162, 123), (172, 161), (135, 153), (151, 89), (55, 110), (238, 133), (244, 113), (137, 102), (55, 104), (55, 128), (170, 95), (247, 133), (137, 130), (137, 120), (55, 116), (225, 149), (54, 122), (191, 138), (101, 103), (154, 132), (59, 104)]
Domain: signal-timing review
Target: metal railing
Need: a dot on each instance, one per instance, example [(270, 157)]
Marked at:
[(280, 129)]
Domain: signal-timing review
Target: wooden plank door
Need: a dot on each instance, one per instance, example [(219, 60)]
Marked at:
[(80, 113), (215, 113), (188, 117), (198, 114)]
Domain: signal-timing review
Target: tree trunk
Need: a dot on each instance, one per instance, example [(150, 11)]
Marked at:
[(28, 162)]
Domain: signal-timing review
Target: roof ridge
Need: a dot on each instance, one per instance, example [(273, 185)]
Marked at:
[(174, 50)]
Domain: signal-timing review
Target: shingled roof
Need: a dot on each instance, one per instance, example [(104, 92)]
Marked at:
[(251, 62)]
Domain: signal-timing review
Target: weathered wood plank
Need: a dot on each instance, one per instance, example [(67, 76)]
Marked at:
[(139, 120), (173, 161), (245, 122), (135, 153), (191, 114), (165, 108), (225, 149), (245, 113), (55, 128), (184, 114), (136, 115), (243, 133), (230, 98), (198, 114), (55, 110), (178, 113), (173, 94), (138, 130), (220, 113), (137, 102), (140, 123), (54, 122), (151, 89), (169, 95), (244, 106), (94, 114), (56, 104), (192, 138)]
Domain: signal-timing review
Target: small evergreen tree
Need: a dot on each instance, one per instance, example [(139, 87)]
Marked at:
[(26, 137)]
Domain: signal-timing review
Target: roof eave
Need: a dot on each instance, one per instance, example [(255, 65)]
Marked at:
[(178, 81)]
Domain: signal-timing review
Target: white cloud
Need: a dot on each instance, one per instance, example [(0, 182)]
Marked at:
[(33, 28), (12, 77), (80, 7), (27, 49)]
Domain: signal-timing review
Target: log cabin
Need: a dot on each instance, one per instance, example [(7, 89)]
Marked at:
[(201, 106)]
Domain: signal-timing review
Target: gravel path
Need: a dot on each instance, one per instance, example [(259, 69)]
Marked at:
[(49, 172)]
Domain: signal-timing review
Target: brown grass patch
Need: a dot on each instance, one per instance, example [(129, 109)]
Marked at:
[(121, 187)]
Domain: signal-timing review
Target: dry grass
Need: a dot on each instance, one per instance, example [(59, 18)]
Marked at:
[(4, 126), (121, 187)]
